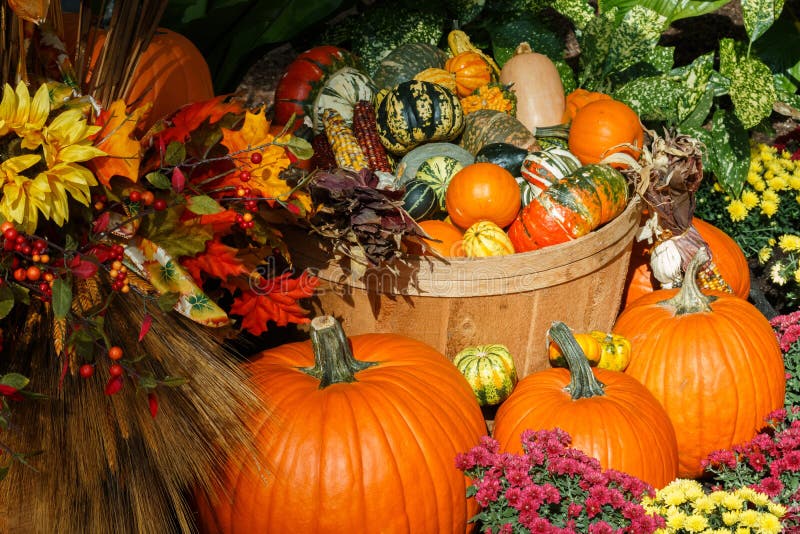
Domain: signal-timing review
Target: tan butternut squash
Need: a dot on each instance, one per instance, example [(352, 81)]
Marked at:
[(537, 84)]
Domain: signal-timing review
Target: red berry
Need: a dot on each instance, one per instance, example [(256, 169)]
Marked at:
[(256, 158), (86, 370), (33, 273), (135, 196), (10, 233), (115, 352), (244, 176), (20, 274), (5, 226), (116, 370), (160, 204)]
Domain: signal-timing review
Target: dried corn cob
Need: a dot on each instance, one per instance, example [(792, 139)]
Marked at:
[(343, 142), (323, 157), (709, 277), (367, 136)]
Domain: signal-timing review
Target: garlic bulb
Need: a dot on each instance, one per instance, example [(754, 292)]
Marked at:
[(665, 262)]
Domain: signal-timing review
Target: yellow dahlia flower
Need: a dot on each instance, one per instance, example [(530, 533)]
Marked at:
[(23, 115)]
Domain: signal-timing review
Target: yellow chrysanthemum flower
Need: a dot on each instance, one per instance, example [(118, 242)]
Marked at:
[(755, 165), (703, 505), (769, 524), (749, 518), (675, 520), (731, 501), (737, 210), (730, 518), (776, 274), (794, 181), (750, 199), (796, 276), (779, 182), (717, 188), (769, 207), (24, 116), (753, 177), (764, 254), (770, 196), (695, 523), (789, 242), (759, 185)]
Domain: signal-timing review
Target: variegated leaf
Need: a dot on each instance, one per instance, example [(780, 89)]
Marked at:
[(729, 151), (637, 34), (578, 11), (695, 79), (567, 76), (759, 15), (653, 98), (752, 91), (671, 9), (595, 42)]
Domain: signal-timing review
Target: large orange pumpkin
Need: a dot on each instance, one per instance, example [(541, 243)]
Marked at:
[(712, 360), (725, 252), (447, 239), (361, 435), (609, 415), (599, 128), (171, 72), (482, 192)]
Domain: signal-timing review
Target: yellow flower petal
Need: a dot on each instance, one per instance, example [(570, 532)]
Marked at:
[(77, 153)]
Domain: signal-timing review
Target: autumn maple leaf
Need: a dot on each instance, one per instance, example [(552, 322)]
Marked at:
[(116, 139), (190, 117), (218, 261), (274, 300), (243, 144)]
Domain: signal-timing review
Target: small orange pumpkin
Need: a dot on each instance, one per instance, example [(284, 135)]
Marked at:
[(471, 72), (605, 127), (579, 98), (447, 239), (482, 192)]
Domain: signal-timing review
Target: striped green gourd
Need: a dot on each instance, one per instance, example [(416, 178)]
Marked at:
[(490, 371), (405, 61), (407, 167), (341, 91), (437, 172), (420, 200), (417, 112), (542, 168)]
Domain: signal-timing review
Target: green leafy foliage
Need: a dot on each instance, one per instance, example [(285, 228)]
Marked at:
[(759, 15), (506, 36), (752, 89), (671, 10)]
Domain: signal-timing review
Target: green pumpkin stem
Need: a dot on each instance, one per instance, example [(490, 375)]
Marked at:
[(582, 382), (689, 298), (333, 358)]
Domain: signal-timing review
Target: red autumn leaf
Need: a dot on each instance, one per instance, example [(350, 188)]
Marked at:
[(113, 385), (220, 222), (178, 180), (274, 300), (101, 223), (218, 260), (82, 268), (116, 139), (189, 118), (152, 402), (7, 391), (146, 323)]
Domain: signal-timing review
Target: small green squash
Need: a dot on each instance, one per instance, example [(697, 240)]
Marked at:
[(506, 155), (420, 200), (341, 91), (417, 112), (487, 126), (405, 61), (437, 172), (407, 167), (490, 371)]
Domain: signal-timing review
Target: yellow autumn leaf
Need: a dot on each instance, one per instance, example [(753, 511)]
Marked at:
[(116, 139)]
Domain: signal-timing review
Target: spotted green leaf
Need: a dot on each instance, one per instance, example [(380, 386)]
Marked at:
[(527, 27), (752, 88), (759, 15), (465, 10), (567, 76), (672, 10), (727, 153), (610, 45), (578, 11)]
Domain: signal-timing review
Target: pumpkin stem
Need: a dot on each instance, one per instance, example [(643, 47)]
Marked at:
[(582, 382), (333, 358), (690, 299), (523, 48)]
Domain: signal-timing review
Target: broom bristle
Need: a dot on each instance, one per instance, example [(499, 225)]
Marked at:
[(106, 463)]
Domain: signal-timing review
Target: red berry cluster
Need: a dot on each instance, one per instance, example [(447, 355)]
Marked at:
[(119, 273), (255, 159), (245, 220), (115, 370), (30, 254)]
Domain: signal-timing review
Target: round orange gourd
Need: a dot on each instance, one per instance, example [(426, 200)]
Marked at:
[(171, 71), (358, 434), (725, 252), (482, 192), (579, 98), (449, 239), (712, 360), (471, 72), (537, 84), (601, 128), (609, 415)]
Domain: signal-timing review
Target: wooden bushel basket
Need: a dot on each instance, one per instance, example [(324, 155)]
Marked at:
[(468, 301)]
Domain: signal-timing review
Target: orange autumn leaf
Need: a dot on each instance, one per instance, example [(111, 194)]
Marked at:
[(190, 117), (254, 137), (116, 139), (218, 261), (274, 300)]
